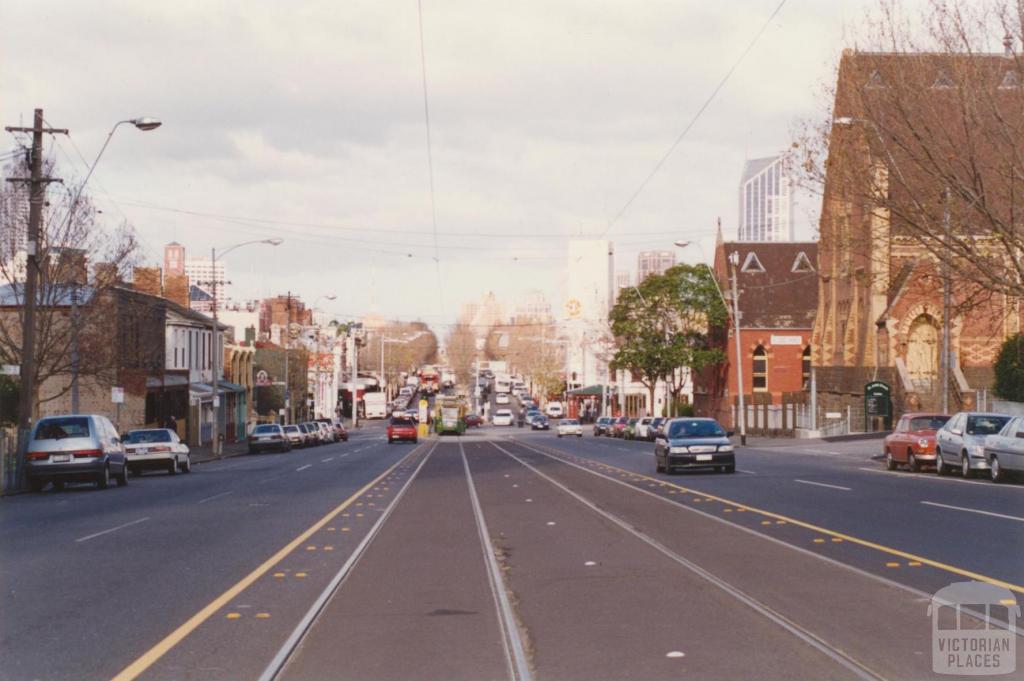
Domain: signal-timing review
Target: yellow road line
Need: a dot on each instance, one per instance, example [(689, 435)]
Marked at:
[(836, 536), (147, 659)]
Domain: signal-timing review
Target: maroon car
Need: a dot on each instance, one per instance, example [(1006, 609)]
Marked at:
[(473, 420), (402, 429), (618, 427)]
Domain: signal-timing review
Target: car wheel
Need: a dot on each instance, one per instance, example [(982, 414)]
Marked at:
[(103, 481), (890, 463), (940, 466), (172, 466), (996, 471), (730, 468), (912, 462), (58, 485), (122, 478), (134, 471), (559, 435), (579, 434), (36, 485), (965, 466), (187, 466)]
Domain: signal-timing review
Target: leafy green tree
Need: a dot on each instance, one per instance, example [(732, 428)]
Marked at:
[(661, 327), (1009, 369)]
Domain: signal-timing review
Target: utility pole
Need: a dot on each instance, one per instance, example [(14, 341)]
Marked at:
[(37, 194), (355, 379), (215, 379), (734, 261), (944, 367), (287, 337)]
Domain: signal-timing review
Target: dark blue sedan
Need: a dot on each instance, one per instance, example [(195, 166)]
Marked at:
[(693, 443)]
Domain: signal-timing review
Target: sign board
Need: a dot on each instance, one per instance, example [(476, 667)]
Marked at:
[(786, 340), (12, 370), (833, 414), (216, 401), (281, 412), (262, 377), (877, 403), (193, 400), (117, 395), (424, 405)]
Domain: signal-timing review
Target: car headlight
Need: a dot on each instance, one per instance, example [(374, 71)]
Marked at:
[(922, 443), (977, 451), (678, 450), (725, 448)]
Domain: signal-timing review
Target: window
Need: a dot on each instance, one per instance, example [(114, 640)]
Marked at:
[(752, 264), (1011, 80), (875, 81), (760, 373), (802, 263), (805, 367), (943, 81)]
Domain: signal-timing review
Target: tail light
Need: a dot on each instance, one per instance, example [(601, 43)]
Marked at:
[(36, 456), (85, 453), (276, 437)]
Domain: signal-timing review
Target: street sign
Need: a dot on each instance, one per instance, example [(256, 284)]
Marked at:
[(216, 401), (877, 403), (12, 370), (117, 395)]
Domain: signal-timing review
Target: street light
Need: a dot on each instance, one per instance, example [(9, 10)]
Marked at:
[(214, 350), (734, 261)]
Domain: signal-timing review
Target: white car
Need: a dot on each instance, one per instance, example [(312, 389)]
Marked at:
[(570, 427), (501, 398), (554, 410), (502, 417), (642, 427), (156, 448)]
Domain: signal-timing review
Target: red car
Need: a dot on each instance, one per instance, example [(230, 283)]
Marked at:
[(618, 427), (912, 441), (473, 420), (402, 429)]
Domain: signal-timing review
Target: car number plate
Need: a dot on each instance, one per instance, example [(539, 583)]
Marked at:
[(704, 457), (61, 458)]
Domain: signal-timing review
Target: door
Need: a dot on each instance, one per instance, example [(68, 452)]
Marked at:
[(923, 352), (1014, 446)]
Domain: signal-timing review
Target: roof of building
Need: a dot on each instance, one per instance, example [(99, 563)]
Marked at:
[(197, 294), (777, 280)]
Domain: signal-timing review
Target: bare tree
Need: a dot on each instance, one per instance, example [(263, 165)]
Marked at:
[(79, 262), (533, 349), (460, 347)]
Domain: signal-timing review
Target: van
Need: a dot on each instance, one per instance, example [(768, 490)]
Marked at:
[(75, 448)]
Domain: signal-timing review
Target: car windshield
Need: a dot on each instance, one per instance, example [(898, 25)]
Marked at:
[(291, 429), (266, 429), (985, 425), (570, 422), (401, 422), (695, 428), (927, 423), (145, 436), (60, 428)]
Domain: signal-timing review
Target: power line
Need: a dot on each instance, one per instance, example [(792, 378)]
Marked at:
[(693, 120), (430, 155)]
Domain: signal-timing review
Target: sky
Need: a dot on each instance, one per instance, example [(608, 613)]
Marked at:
[(305, 121)]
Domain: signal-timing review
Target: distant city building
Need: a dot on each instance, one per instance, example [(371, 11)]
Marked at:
[(653, 262), (531, 305), (174, 259), (766, 201), (281, 311), (589, 295), (201, 272)]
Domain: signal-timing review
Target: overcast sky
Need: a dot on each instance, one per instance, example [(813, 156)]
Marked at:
[(305, 120)]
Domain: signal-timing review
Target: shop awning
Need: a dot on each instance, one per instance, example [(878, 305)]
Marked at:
[(169, 381), (589, 391), (231, 387)]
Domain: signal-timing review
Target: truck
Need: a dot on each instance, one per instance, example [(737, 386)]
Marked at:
[(430, 380), (449, 415), (375, 405)]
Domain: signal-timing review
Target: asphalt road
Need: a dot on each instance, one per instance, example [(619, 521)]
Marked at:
[(503, 554)]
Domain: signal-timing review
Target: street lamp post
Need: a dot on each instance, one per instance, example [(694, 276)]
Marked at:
[(215, 350)]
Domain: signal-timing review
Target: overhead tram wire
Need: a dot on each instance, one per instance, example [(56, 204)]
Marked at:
[(714, 93), (430, 157)]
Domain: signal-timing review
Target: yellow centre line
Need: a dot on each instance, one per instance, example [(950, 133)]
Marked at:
[(836, 536), (147, 659)]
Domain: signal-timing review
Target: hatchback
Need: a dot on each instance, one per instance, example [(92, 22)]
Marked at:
[(82, 448), (268, 436), (156, 448), (693, 443), (602, 424), (402, 429), (960, 443), (502, 417)]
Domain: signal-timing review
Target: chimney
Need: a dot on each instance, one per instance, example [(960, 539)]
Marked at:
[(147, 280), (106, 274), (176, 288)]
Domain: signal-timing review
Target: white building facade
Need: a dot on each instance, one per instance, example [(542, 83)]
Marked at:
[(589, 296), (766, 201), (202, 273)]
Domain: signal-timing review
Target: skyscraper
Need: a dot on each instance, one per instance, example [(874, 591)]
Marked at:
[(766, 201), (653, 262)]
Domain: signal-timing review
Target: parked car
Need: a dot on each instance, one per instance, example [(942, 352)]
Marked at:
[(502, 417), (268, 437), (640, 430), (309, 438), (402, 429), (602, 424), (316, 437), (694, 443), (960, 443), (81, 448), (1004, 451), (654, 427), (629, 432), (570, 427), (554, 410), (618, 427), (295, 436), (473, 420), (502, 398), (912, 441), (341, 430), (540, 422), (150, 448)]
